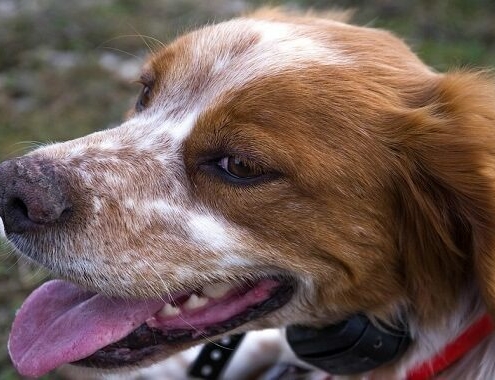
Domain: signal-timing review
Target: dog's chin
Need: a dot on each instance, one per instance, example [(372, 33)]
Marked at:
[(256, 304)]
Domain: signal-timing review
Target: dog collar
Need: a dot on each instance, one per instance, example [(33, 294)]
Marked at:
[(455, 350), (355, 346), (349, 347), (214, 358)]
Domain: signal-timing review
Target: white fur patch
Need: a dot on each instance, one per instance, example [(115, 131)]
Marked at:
[(288, 47), (181, 130), (2, 230), (109, 145), (145, 208), (280, 48), (209, 231)]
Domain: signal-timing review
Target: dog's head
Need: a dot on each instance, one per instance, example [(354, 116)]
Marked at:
[(275, 170)]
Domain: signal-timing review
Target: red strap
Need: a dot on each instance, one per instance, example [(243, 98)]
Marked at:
[(456, 349)]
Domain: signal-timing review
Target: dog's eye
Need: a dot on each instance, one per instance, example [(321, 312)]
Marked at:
[(144, 98), (240, 168)]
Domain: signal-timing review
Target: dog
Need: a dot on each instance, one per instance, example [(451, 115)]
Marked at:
[(277, 170)]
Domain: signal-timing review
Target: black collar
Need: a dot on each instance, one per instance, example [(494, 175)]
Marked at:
[(349, 347)]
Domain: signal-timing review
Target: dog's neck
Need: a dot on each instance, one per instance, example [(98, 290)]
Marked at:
[(428, 342), (455, 350)]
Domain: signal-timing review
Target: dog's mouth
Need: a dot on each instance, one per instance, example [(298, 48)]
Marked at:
[(60, 323)]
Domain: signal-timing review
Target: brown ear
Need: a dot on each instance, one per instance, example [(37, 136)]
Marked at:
[(446, 192)]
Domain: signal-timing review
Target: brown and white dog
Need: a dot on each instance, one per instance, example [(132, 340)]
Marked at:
[(276, 170)]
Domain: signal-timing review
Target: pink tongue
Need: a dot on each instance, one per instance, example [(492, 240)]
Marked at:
[(61, 323)]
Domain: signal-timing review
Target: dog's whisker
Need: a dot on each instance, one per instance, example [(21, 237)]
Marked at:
[(22, 146), (174, 303), (159, 277), (158, 294), (123, 52), (145, 39)]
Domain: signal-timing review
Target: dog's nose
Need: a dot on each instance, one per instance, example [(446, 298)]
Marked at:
[(33, 195)]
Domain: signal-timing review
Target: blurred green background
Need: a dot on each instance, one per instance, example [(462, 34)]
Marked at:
[(67, 68)]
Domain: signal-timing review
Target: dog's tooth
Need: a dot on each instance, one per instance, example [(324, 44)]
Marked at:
[(217, 290), (195, 302), (169, 311)]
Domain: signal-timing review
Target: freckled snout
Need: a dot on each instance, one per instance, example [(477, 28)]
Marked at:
[(33, 194)]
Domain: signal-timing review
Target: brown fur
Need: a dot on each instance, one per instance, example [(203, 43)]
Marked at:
[(381, 193)]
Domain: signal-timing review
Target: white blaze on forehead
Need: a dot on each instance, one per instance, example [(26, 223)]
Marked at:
[(150, 131), (245, 50), (181, 130), (286, 45)]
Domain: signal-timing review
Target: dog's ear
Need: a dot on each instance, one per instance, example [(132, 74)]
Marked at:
[(446, 191)]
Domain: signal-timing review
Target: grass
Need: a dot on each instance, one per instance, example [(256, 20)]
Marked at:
[(55, 83)]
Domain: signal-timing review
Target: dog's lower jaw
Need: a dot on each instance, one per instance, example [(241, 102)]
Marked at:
[(146, 341), (263, 347), (93, 330)]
